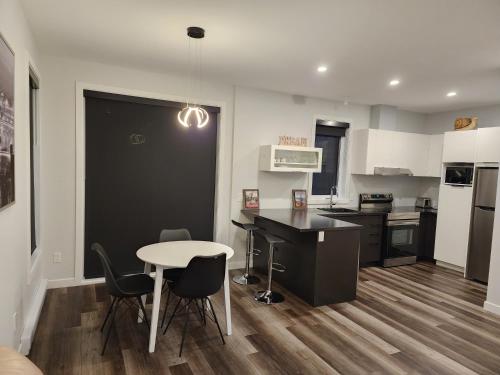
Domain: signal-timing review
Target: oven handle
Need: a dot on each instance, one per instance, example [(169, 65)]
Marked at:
[(403, 223)]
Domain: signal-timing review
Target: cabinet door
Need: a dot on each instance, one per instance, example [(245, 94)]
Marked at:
[(382, 149), (416, 152), (487, 146), (427, 235), (435, 159), (453, 222), (459, 146), (371, 236)]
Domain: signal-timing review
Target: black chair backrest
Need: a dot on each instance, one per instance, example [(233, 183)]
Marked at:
[(167, 235), (202, 277), (110, 275)]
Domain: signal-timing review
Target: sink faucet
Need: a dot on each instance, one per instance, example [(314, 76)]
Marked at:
[(333, 191)]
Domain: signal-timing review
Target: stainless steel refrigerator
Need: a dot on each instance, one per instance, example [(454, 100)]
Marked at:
[(478, 264)]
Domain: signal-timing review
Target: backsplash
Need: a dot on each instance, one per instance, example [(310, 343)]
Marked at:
[(404, 188)]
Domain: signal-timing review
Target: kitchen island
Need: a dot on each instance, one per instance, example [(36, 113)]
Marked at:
[(321, 254)]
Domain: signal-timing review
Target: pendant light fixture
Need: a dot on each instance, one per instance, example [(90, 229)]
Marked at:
[(192, 114)]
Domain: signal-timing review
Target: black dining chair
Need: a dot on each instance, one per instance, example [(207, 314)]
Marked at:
[(172, 274), (202, 278), (122, 289)]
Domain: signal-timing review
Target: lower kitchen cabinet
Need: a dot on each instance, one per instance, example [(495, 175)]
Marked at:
[(427, 235), (371, 236)]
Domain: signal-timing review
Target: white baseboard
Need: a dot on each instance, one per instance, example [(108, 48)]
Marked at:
[(492, 307), (62, 283), (450, 266), (31, 321), (71, 281)]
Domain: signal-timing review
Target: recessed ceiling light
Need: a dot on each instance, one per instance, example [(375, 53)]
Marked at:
[(451, 93), (394, 82), (322, 68)]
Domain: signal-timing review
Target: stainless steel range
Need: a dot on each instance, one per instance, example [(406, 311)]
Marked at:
[(401, 228)]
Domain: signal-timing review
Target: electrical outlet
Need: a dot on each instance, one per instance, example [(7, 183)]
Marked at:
[(57, 257)]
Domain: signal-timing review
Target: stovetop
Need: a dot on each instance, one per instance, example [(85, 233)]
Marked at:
[(382, 203)]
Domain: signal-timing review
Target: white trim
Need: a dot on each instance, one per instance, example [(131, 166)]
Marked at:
[(449, 266), (72, 281), (33, 259), (492, 307), (31, 321), (343, 183), (80, 164)]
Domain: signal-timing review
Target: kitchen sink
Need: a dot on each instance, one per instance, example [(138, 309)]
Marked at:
[(335, 210)]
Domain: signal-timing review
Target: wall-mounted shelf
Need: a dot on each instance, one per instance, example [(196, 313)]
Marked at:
[(277, 158)]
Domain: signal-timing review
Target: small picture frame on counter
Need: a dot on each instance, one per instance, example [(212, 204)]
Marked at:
[(251, 199), (299, 199)]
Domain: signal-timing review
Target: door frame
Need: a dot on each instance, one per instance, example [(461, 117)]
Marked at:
[(221, 152)]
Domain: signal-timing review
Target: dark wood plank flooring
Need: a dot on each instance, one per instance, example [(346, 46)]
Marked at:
[(419, 319)]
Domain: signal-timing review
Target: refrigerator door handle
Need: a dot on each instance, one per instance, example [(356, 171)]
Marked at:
[(484, 208)]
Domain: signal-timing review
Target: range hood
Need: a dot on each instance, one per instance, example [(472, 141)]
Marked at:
[(391, 171)]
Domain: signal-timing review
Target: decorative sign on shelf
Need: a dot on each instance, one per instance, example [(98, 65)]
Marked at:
[(285, 140), (465, 123)]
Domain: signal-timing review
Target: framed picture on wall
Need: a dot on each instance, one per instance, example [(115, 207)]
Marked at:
[(251, 199), (7, 186), (299, 199)]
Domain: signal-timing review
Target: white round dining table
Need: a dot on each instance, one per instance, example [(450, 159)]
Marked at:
[(177, 254)]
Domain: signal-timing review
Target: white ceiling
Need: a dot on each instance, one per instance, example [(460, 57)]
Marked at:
[(433, 46)]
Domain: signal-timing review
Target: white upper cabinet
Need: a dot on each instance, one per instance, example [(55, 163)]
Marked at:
[(488, 145), (276, 158), (435, 156), (459, 146), (420, 153)]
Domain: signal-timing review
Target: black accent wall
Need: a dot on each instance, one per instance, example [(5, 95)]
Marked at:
[(144, 172)]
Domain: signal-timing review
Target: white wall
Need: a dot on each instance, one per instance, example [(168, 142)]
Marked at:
[(58, 155), (441, 122), (260, 117), (411, 122), (20, 280), (493, 297)]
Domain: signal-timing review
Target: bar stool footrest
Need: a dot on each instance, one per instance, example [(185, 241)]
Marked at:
[(256, 252), (278, 267), (269, 297), (246, 279)]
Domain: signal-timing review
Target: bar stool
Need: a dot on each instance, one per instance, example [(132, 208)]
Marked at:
[(268, 296), (246, 278)]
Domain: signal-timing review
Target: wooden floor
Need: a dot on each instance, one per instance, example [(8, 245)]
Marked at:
[(406, 320)]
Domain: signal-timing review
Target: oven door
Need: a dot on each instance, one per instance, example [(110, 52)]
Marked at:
[(401, 242)]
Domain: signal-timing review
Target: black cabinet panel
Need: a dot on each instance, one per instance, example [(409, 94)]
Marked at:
[(371, 236), (427, 235)]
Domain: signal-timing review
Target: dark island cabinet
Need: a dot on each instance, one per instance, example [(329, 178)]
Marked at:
[(427, 235), (370, 251)]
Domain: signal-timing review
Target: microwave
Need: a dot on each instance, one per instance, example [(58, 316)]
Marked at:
[(459, 174)]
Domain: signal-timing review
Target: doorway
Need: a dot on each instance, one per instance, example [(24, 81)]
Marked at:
[(144, 172)]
